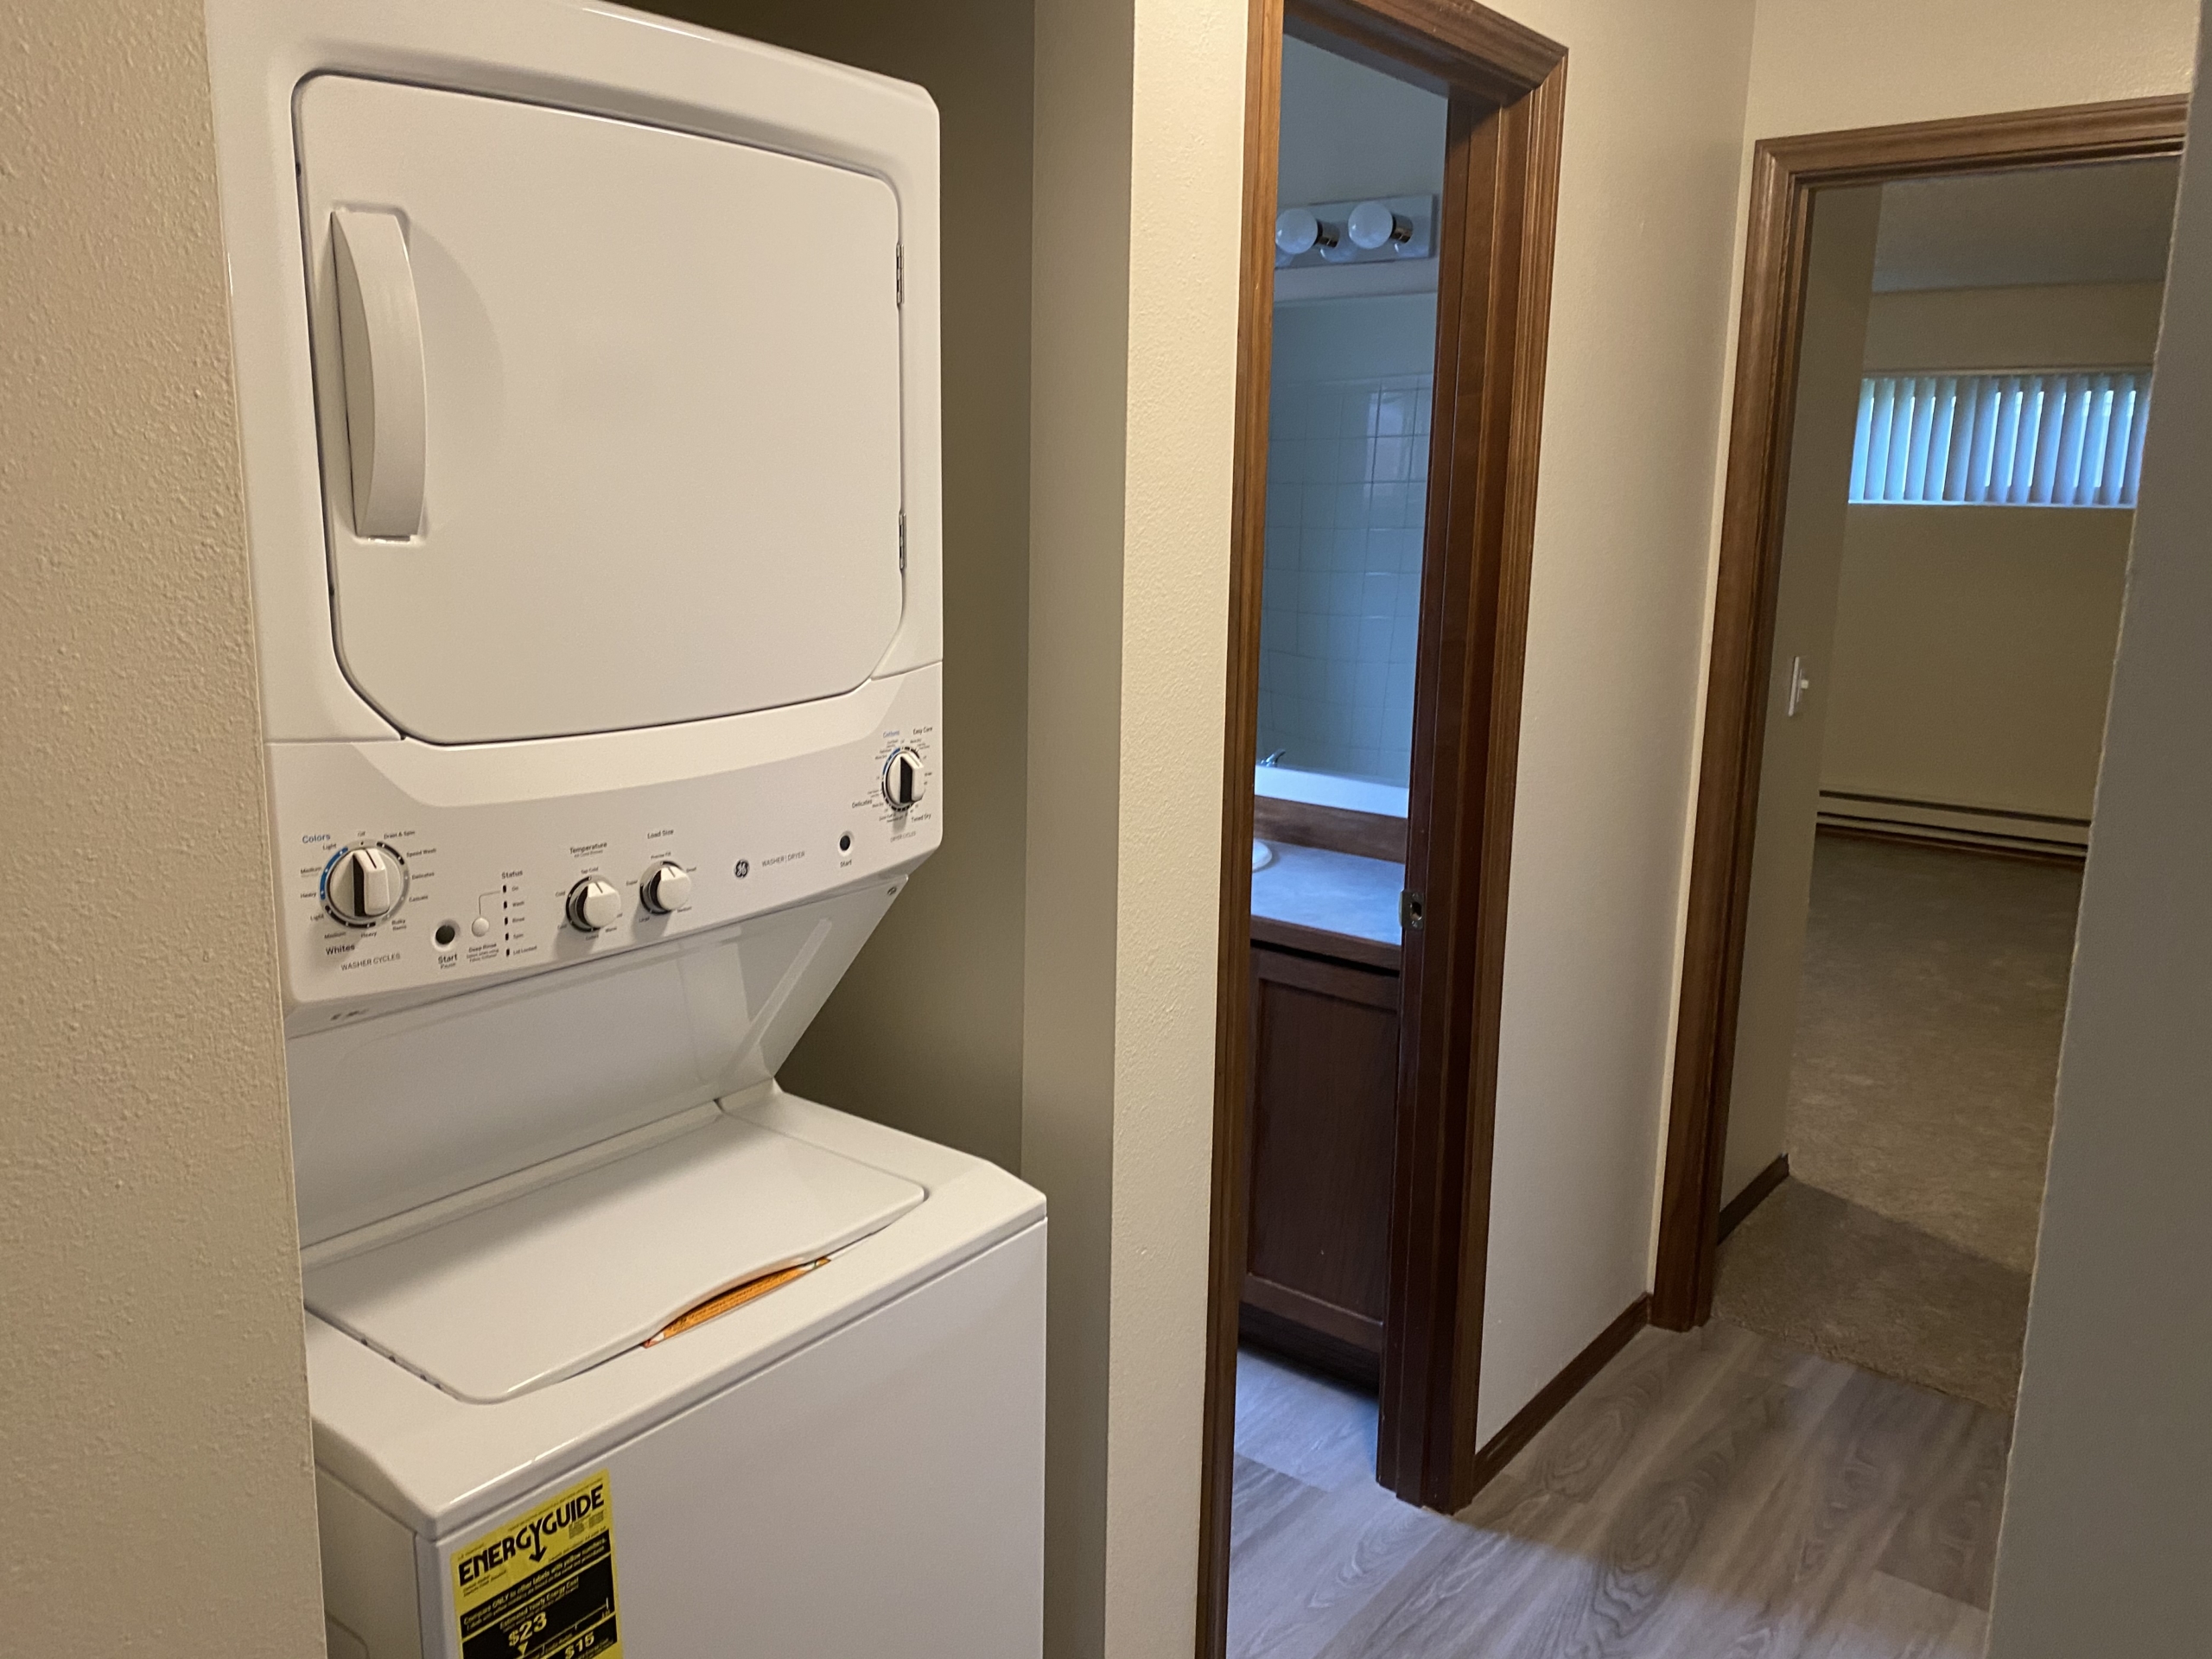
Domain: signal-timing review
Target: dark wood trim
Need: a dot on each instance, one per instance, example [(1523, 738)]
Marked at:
[(1786, 175), (1447, 45), (1507, 86), (1340, 1324), (1335, 829), (1756, 1192), (1329, 973), (1232, 985), (1501, 183), (1506, 1443), (1359, 1363), (1267, 932)]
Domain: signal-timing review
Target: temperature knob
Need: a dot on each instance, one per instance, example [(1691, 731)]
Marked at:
[(665, 887), (902, 779), (594, 904), (364, 885)]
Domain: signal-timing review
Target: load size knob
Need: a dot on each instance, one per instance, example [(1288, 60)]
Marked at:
[(594, 904), (902, 779), (363, 885), (665, 887)]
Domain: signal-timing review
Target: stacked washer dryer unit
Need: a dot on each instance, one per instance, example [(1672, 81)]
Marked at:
[(587, 370)]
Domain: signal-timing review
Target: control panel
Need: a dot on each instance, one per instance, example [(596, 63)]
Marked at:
[(410, 869)]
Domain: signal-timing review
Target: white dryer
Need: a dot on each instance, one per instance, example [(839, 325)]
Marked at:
[(587, 375)]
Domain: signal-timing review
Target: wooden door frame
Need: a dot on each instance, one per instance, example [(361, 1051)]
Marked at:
[(1506, 86), (1786, 175)]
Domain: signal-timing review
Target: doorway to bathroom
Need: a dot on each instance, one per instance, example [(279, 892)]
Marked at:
[(1401, 169)]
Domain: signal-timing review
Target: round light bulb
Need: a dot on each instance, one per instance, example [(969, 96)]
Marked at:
[(1296, 231), (1373, 225)]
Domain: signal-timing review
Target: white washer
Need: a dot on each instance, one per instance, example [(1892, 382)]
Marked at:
[(588, 377)]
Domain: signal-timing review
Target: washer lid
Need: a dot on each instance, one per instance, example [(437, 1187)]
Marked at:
[(610, 414), (537, 1288)]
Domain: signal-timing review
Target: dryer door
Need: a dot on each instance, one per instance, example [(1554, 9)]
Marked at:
[(610, 414)]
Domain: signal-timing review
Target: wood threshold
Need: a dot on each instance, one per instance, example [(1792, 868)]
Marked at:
[(1787, 172), (1737, 1210), (1506, 1443)]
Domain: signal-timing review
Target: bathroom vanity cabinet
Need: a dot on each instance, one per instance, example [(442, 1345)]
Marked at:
[(1320, 1146)]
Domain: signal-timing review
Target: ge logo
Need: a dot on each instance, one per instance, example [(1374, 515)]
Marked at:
[(744, 868)]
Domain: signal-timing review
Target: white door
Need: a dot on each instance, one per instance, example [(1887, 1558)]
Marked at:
[(609, 414)]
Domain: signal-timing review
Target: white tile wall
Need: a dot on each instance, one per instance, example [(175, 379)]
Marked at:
[(1347, 488)]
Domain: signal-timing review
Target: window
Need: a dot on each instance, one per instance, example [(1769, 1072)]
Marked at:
[(2026, 440)]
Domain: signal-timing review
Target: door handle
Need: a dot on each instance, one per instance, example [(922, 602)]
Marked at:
[(380, 339)]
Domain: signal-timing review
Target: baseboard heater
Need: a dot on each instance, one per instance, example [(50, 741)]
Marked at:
[(1905, 819)]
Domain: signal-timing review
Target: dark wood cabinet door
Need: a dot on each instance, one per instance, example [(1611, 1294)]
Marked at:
[(1322, 1136)]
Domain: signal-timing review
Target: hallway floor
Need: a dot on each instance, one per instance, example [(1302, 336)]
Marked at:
[(1709, 1493), (1920, 1106)]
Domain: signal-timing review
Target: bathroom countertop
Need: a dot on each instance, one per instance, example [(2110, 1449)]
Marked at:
[(1330, 893)]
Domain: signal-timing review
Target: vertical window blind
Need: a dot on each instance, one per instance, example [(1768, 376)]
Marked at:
[(2026, 440)]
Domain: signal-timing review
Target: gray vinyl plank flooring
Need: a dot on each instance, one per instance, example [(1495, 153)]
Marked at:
[(1712, 1495)]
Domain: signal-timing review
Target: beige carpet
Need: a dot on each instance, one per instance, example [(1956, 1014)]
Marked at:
[(1920, 1101)]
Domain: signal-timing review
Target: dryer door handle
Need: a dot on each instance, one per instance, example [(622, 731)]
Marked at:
[(380, 336)]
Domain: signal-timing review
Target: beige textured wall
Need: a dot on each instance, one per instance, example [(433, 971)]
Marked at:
[(2080, 326), (2108, 1500), (1631, 410), (1140, 110), (1812, 552), (153, 1390), (1817, 66), (1973, 655), (925, 1031)]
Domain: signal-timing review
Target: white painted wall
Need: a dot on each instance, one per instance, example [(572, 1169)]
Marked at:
[(153, 1383), (1974, 654), (2108, 1504), (1140, 124), (1839, 280), (2084, 325)]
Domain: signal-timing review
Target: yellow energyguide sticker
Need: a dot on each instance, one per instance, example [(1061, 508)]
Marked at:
[(542, 1586)]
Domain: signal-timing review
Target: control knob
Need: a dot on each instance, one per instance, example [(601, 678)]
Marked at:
[(363, 885), (665, 887), (594, 904), (902, 779)]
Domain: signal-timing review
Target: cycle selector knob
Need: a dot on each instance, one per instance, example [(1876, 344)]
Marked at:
[(364, 885), (665, 887), (594, 904), (903, 779)]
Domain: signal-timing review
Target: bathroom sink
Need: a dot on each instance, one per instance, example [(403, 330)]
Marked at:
[(1262, 854)]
